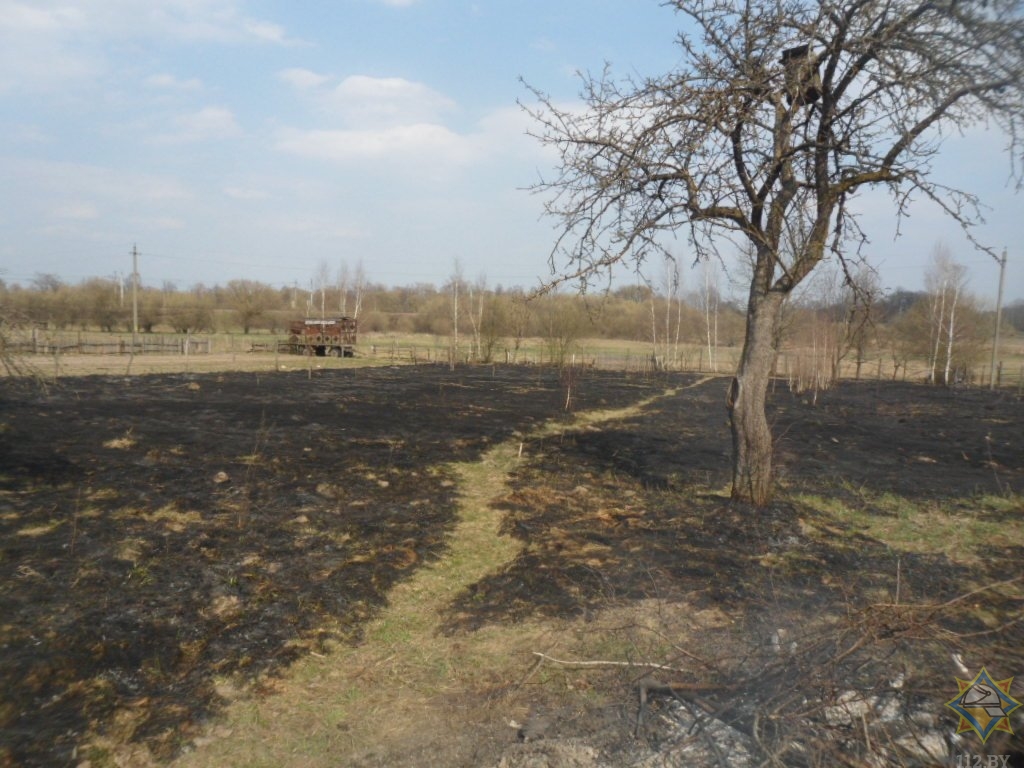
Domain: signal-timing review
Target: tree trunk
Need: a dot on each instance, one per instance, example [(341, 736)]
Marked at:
[(949, 338), (937, 328), (751, 437)]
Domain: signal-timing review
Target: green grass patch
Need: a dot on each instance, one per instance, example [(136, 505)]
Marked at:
[(961, 529)]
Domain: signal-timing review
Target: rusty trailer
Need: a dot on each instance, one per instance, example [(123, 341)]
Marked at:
[(335, 337)]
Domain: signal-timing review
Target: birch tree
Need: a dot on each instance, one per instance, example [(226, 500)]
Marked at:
[(341, 281), (455, 285), (709, 299), (322, 281), (666, 304), (945, 280), (477, 293), (358, 288), (776, 112)]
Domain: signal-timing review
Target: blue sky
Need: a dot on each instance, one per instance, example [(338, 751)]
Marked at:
[(262, 139)]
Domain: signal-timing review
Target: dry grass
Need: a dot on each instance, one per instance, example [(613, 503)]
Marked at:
[(123, 365), (407, 683)]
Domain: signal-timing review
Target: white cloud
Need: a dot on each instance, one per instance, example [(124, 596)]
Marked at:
[(208, 124), (44, 45), (425, 142), (363, 101), (80, 181), (35, 53), (266, 31), (398, 3), (382, 119), (398, 121), (220, 21), (82, 202), (45, 67), (302, 79), (505, 131), (245, 193), (170, 82), (22, 18)]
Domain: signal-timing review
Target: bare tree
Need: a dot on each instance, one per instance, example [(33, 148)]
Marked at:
[(321, 281), (455, 286), (841, 321), (709, 300), (13, 362), (519, 317), (860, 297), (342, 281), (477, 293), (190, 311), (778, 112), (561, 322), (358, 288), (666, 304), (250, 300), (98, 304), (945, 280), (495, 322)]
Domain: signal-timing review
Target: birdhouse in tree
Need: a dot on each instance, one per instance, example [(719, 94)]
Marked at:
[(803, 83)]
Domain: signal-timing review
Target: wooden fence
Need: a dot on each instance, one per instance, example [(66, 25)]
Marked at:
[(791, 364), (143, 346), (69, 343), (633, 361)]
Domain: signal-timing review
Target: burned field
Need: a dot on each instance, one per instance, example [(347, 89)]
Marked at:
[(161, 535), (163, 532)]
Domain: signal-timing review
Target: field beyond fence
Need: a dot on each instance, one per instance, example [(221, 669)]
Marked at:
[(79, 352)]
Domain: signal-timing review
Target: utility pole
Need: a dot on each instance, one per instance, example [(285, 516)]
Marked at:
[(999, 318), (135, 296)]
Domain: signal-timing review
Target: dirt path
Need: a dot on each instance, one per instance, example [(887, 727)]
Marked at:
[(409, 689)]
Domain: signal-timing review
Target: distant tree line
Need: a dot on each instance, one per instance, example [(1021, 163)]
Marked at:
[(841, 320), (248, 306), (832, 322)]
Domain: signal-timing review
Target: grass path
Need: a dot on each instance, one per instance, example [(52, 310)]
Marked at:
[(406, 684)]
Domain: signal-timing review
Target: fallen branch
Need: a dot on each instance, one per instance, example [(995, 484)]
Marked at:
[(631, 664), (954, 600)]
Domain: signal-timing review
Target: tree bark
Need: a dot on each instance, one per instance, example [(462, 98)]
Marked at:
[(752, 479), (952, 332)]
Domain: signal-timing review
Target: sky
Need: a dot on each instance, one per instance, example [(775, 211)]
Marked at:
[(267, 139)]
